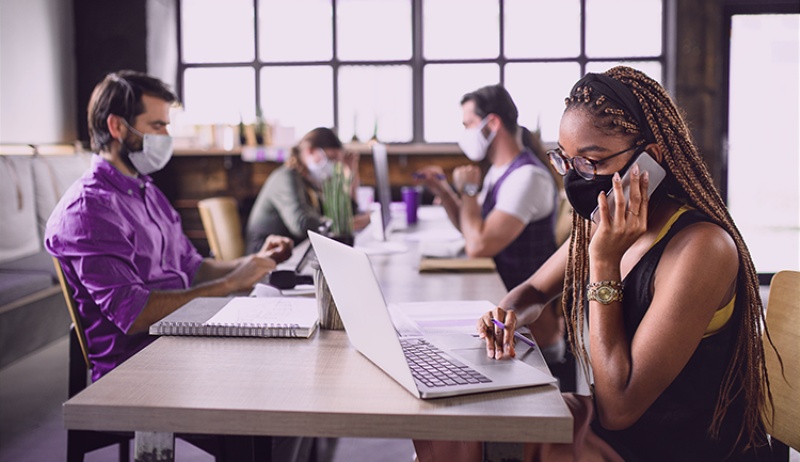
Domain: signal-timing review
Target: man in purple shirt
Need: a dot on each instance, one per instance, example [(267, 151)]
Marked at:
[(120, 241)]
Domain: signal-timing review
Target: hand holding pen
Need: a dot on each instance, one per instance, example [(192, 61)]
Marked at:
[(422, 176), (433, 178), (517, 335), (500, 334)]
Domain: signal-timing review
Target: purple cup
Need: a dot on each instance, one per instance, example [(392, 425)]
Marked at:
[(411, 197)]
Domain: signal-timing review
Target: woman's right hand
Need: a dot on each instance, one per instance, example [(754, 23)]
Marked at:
[(499, 342)]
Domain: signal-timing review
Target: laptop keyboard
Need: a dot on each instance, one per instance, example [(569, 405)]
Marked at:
[(434, 368)]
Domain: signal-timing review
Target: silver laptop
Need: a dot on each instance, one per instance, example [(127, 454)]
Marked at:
[(427, 365)]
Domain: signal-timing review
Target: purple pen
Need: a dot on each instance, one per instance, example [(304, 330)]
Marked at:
[(519, 336), (420, 176)]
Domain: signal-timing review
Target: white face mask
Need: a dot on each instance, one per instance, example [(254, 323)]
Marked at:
[(322, 170), (156, 152), (474, 144)]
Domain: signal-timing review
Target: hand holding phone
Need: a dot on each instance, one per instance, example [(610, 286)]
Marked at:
[(646, 164)]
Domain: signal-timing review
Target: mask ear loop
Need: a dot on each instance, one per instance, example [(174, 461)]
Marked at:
[(492, 133), (135, 131)]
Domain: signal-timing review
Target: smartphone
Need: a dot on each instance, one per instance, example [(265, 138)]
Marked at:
[(646, 164)]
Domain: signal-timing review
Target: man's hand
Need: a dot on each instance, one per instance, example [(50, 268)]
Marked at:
[(251, 269), (434, 179), (466, 174), (278, 248)]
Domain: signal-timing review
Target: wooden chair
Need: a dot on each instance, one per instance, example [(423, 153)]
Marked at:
[(79, 442), (783, 322), (223, 227)]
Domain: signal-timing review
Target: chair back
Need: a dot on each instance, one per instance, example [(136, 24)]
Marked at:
[(563, 219), (783, 321), (73, 312), (223, 227)]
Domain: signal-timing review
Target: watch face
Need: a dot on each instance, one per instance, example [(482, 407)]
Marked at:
[(605, 293), (471, 189)]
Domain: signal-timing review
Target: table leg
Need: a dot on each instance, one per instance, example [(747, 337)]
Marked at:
[(503, 452), (154, 447)]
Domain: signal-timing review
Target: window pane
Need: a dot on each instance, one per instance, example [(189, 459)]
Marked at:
[(651, 68), (539, 90), (370, 95), (215, 34), (219, 95), (373, 30), (298, 96), (445, 85), (764, 149), (623, 27), (460, 29), (299, 30), (542, 29)]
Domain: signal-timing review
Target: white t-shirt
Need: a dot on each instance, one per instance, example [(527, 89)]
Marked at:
[(528, 192)]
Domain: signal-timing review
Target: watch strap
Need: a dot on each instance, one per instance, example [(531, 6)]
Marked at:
[(471, 189)]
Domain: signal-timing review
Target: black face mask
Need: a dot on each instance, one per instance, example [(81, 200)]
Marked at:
[(582, 194)]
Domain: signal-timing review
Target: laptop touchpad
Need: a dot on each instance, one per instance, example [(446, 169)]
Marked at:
[(478, 357)]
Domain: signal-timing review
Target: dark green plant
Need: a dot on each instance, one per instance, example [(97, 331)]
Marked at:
[(336, 203), (260, 127)]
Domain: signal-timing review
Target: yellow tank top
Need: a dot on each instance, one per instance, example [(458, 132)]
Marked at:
[(722, 315)]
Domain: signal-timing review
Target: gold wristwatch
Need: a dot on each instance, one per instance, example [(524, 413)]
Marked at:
[(605, 292)]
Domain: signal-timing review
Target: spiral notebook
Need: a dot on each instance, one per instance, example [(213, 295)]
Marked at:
[(242, 317)]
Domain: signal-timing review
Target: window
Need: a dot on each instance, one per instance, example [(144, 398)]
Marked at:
[(763, 146), (398, 68)]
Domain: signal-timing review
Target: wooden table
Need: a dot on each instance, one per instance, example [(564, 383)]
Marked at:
[(311, 387)]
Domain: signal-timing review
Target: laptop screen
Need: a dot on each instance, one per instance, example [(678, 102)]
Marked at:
[(308, 255), (380, 159)]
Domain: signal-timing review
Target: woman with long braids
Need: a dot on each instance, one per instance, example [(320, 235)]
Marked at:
[(665, 284)]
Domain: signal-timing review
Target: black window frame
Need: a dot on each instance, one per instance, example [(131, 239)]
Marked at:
[(417, 62), (730, 9)]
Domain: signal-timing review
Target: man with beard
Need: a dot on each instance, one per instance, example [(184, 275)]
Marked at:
[(120, 242)]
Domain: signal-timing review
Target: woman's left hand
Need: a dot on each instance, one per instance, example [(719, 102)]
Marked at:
[(350, 160), (360, 221), (621, 227)]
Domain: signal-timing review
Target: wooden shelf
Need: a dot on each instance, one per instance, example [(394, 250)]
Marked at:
[(394, 149)]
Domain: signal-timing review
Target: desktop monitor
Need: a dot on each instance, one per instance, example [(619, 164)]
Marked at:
[(380, 159)]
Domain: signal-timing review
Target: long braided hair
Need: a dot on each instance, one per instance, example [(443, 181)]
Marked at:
[(689, 181)]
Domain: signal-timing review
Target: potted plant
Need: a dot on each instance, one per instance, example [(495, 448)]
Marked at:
[(337, 205)]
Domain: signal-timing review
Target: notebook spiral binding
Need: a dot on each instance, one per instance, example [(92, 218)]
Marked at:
[(228, 330)]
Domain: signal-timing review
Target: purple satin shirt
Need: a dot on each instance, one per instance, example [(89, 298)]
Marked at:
[(117, 238)]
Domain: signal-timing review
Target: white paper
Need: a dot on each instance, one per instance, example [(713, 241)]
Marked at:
[(299, 290), (441, 249), (265, 311), (265, 290)]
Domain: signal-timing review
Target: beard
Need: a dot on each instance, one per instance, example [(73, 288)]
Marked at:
[(131, 143)]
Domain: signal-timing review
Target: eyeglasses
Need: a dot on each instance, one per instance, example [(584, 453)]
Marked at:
[(586, 168)]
